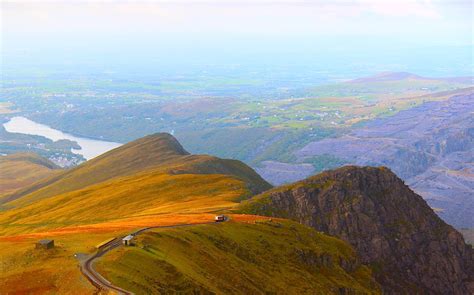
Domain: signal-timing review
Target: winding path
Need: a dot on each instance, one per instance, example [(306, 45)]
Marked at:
[(87, 266)]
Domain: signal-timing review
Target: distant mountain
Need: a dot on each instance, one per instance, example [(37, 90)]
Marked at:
[(398, 76), (387, 76), (410, 249), (22, 169)]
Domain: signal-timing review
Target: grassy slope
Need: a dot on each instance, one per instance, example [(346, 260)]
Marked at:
[(23, 169), (124, 160), (160, 152), (170, 186), (25, 270), (153, 175), (138, 195), (266, 257)]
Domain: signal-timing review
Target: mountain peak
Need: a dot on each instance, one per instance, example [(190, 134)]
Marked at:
[(162, 142), (159, 152), (392, 228)]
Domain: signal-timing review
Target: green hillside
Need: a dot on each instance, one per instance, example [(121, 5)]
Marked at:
[(151, 182), (269, 257)]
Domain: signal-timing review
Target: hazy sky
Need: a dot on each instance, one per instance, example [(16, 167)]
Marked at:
[(294, 26), (445, 22)]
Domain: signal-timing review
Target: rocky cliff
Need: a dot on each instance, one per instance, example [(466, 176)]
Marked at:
[(410, 249)]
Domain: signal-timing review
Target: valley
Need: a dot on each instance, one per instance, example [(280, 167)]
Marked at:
[(155, 182), (85, 147), (59, 152), (285, 138), (430, 146), (236, 147), (160, 185)]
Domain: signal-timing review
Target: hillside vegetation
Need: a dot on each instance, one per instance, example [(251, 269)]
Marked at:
[(268, 257), (153, 182), (144, 194), (153, 175), (23, 169), (161, 152)]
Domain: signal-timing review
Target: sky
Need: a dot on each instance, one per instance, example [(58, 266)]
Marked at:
[(231, 28)]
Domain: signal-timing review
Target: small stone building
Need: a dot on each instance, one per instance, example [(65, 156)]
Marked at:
[(45, 244), (127, 241)]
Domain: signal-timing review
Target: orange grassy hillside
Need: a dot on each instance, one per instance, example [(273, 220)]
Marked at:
[(150, 176), (23, 169), (161, 152)]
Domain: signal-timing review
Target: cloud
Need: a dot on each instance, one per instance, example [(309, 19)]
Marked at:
[(420, 8), (401, 8), (263, 17)]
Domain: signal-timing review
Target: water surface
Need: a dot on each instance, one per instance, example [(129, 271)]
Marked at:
[(90, 148)]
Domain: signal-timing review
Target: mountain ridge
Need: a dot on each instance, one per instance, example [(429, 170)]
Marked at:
[(410, 249), (387, 76), (407, 248), (151, 176), (397, 76), (160, 151)]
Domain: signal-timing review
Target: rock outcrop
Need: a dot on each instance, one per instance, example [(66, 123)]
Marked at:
[(410, 249)]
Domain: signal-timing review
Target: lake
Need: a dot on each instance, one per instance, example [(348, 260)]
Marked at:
[(90, 148)]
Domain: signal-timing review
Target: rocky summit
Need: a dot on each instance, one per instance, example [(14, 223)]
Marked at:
[(410, 249)]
